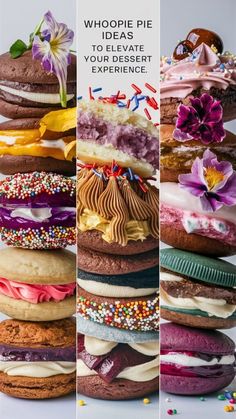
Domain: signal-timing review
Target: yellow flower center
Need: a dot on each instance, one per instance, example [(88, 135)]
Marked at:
[(213, 177)]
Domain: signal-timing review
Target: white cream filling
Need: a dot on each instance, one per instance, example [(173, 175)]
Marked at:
[(7, 140), (107, 290), (166, 276), (37, 369), (48, 98), (58, 144), (97, 347), (174, 196), (191, 361), (139, 373), (213, 307), (37, 214)]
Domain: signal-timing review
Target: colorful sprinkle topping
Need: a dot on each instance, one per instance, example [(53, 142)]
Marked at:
[(26, 185), (134, 315)]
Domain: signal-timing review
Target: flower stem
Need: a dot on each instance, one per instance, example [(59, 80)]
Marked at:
[(36, 32)]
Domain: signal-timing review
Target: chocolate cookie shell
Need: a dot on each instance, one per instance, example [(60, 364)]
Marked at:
[(93, 240), (21, 164), (119, 389), (102, 263)]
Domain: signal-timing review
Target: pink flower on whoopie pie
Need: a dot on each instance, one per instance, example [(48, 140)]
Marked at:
[(213, 182), (203, 121), (52, 47)]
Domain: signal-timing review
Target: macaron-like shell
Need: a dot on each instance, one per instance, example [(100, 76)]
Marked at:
[(46, 311), (177, 338), (25, 69), (195, 243), (54, 267), (57, 334), (93, 240), (187, 319), (112, 334), (37, 388), (203, 268), (101, 263), (192, 386), (119, 389)]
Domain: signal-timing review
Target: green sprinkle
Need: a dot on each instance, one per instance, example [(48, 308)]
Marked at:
[(221, 397), (202, 399)]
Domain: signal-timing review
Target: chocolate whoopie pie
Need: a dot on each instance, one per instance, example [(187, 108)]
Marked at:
[(24, 149), (37, 360), (197, 291), (195, 361), (28, 91), (116, 364), (117, 211)]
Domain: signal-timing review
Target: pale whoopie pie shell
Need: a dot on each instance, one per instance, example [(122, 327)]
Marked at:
[(53, 267), (46, 311)]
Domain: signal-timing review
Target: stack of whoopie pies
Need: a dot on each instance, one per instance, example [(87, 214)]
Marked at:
[(37, 222), (118, 240), (198, 215)]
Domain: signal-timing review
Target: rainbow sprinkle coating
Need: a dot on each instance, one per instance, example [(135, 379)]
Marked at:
[(55, 237), (136, 315), (26, 185)]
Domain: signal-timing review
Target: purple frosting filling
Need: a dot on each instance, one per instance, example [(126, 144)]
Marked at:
[(11, 353), (60, 199), (133, 141), (64, 218)]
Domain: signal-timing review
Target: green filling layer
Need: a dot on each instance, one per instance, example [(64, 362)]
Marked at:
[(195, 312)]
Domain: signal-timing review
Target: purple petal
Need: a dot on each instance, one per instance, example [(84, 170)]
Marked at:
[(179, 135)]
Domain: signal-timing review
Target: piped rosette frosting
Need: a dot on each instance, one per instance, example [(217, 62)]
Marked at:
[(106, 133), (204, 69), (37, 210), (118, 203), (112, 361)]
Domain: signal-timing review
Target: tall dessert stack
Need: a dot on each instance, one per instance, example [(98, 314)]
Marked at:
[(198, 215), (37, 221), (117, 259)]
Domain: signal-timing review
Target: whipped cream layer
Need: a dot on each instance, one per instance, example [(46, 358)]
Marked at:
[(35, 294), (213, 307), (193, 361), (98, 347), (139, 373), (203, 69), (45, 98), (37, 369), (107, 290)]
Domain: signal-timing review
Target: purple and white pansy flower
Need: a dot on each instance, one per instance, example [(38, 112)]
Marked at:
[(213, 182), (202, 121), (52, 47)]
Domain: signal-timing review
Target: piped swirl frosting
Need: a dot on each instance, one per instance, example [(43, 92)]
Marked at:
[(117, 201)]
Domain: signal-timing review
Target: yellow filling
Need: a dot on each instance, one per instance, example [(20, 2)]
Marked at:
[(213, 177), (89, 220)]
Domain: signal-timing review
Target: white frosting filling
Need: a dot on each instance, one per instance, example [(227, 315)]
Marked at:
[(139, 373), (59, 144), (7, 140), (166, 276), (107, 290), (37, 369), (174, 196), (50, 98), (97, 347), (37, 214), (213, 307), (191, 361)]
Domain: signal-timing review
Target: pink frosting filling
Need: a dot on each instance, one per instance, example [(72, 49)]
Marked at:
[(193, 222), (36, 293), (180, 78)]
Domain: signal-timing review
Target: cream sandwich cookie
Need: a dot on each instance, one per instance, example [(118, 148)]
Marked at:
[(197, 291), (24, 148), (37, 360), (37, 285), (106, 132), (117, 211), (28, 91), (204, 70), (37, 210), (195, 361), (135, 284), (185, 224), (116, 371)]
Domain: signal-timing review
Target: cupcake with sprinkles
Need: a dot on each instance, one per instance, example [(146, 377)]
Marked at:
[(37, 210)]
